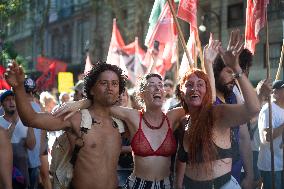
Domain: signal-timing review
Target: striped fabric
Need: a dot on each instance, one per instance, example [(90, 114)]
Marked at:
[(134, 182)]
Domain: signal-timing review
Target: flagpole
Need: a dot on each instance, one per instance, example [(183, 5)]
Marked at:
[(269, 106), (277, 78), (200, 51), (180, 34), (280, 63), (177, 62)]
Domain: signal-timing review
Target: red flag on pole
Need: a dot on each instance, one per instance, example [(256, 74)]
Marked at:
[(133, 55), (116, 44), (46, 80), (43, 64), (166, 34), (187, 11), (50, 68), (255, 21), (88, 64)]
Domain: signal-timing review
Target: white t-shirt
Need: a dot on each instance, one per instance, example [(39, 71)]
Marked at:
[(264, 158), (20, 131)]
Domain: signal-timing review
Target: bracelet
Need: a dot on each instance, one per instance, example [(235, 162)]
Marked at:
[(237, 75)]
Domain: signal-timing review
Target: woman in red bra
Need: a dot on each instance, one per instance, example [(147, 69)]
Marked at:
[(151, 133), (206, 145)]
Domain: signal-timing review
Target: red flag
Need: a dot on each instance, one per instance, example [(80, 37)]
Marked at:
[(132, 56), (255, 20), (165, 33), (3, 83), (115, 47), (43, 65), (47, 79), (88, 64), (187, 11)]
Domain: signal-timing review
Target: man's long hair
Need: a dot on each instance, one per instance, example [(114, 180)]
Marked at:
[(200, 143)]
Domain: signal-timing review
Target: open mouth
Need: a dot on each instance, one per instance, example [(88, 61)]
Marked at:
[(194, 96), (157, 96)]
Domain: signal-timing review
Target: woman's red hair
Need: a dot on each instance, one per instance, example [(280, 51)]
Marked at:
[(200, 144)]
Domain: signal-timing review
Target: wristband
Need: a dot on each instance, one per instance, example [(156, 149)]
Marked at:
[(237, 75)]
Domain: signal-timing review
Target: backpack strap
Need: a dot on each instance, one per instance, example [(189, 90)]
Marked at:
[(86, 121), (86, 124)]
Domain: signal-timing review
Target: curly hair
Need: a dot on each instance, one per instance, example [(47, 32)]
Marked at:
[(92, 77), (142, 84), (201, 147)]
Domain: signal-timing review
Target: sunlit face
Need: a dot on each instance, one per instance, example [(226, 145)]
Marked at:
[(106, 89), (65, 98), (278, 94), (194, 90), (9, 105), (169, 90), (50, 104), (124, 99), (153, 95)]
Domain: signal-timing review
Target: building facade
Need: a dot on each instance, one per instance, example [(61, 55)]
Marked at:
[(64, 30), (224, 15)]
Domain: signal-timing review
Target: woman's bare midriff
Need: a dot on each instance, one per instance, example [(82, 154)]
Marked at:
[(200, 173), (152, 167)]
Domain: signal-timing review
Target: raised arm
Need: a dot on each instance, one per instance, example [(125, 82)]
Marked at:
[(244, 112), (15, 77), (210, 53)]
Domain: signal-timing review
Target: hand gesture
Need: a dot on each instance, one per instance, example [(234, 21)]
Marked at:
[(69, 108), (265, 88), (211, 50), (14, 75), (234, 49)]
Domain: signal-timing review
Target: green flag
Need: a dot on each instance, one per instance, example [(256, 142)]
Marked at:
[(154, 16)]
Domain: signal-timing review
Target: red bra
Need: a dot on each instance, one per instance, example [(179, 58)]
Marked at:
[(141, 146)]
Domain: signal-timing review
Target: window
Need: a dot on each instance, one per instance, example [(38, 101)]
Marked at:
[(236, 15)]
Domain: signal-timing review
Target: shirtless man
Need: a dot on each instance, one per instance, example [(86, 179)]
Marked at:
[(97, 160)]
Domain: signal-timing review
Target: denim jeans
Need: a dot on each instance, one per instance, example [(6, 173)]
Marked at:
[(267, 179)]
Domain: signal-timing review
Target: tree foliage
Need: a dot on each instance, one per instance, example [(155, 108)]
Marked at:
[(10, 7)]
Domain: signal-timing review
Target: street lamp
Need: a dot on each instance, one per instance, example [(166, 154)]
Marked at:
[(203, 28)]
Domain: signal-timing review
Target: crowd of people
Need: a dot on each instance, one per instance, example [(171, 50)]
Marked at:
[(212, 133)]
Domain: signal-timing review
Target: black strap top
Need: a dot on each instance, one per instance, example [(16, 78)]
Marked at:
[(221, 152)]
